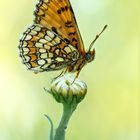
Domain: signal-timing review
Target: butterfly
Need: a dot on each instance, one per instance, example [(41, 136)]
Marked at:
[(53, 42)]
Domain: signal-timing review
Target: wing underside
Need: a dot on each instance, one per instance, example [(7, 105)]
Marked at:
[(43, 50)]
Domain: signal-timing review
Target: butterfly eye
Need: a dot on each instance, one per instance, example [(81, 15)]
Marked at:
[(88, 56)]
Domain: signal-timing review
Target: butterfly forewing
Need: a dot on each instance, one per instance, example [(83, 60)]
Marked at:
[(57, 15), (43, 50)]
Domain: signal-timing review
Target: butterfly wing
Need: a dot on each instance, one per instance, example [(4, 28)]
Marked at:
[(43, 50), (57, 15)]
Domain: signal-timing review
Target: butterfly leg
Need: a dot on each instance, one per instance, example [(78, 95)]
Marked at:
[(62, 73), (77, 74), (59, 75)]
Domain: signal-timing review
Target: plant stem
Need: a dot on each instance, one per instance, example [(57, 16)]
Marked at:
[(68, 109)]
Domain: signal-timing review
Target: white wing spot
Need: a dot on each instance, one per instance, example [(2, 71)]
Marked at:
[(50, 34), (43, 41), (71, 47), (26, 58), (48, 38), (57, 51), (50, 55), (25, 51), (50, 44), (33, 32), (24, 44), (67, 49), (23, 36), (37, 28), (44, 55), (45, 66), (42, 50), (47, 47), (39, 45), (57, 40), (28, 31), (54, 43), (49, 60), (59, 59), (28, 37), (41, 62)]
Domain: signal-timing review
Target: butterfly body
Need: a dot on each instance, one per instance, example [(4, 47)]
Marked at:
[(54, 42), (81, 62)]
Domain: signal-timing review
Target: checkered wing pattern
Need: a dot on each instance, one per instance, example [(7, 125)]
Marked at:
[(43, 50)]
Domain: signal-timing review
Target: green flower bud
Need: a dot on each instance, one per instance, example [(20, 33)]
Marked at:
[(67, 89)]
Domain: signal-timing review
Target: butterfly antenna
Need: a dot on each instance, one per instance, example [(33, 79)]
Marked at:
[(97, 36)]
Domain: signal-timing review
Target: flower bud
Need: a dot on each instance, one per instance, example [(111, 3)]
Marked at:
[(68, 89)]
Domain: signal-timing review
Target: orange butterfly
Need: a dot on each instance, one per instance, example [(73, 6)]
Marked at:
[(54, 42)]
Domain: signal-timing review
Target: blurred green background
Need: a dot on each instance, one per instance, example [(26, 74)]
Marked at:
[(110, 110)]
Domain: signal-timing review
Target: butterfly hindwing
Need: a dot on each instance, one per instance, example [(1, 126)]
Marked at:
[(43, 50), (58, 16)]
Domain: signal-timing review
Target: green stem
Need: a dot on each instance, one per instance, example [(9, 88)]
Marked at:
[(68, 109)]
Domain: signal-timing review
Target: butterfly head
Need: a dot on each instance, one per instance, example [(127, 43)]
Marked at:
[(90, 55)]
